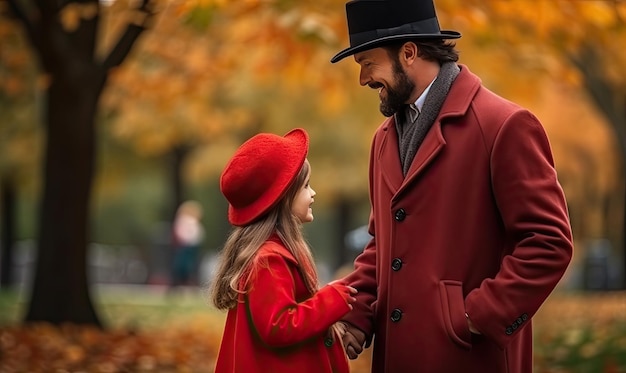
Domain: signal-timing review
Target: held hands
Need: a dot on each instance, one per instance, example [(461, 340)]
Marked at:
[(353, 339)]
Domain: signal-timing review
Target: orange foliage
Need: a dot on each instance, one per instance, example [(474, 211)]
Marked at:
[(45, 348), (15, 62), (210, 72), (558, 28)]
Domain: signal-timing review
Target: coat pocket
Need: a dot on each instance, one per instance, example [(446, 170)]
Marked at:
[(453, 312)]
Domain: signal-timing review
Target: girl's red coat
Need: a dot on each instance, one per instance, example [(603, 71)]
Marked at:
[(278, 326)]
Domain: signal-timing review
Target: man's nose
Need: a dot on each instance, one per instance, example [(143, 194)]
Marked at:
[(363, 79)]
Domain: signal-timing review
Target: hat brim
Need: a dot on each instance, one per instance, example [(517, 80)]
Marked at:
[(445, 34)]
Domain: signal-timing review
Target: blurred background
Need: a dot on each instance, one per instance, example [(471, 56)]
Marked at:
[(114, 114)]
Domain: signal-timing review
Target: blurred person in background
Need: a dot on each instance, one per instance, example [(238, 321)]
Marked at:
[(279, 320), (187, 237), (469, 222)]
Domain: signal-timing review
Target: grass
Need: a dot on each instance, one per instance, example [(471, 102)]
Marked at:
[(133, 307)]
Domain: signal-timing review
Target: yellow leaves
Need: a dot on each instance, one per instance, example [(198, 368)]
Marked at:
[(300, 22), (334, 98), (203, 3), (473, 18), (20, 145), (567, 20), (600, 14), (620, 10), (584, 152), (70, 17), (74, 354), (72, 14), (16, 62), (209, 161)]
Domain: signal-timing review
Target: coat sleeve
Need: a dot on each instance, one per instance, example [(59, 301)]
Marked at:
[(534, 213), (278, 319), (363, 278)]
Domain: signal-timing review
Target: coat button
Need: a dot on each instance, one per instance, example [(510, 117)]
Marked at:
[(400, 215), (396, 264), (508, 331), (396, 315), (328, 342)]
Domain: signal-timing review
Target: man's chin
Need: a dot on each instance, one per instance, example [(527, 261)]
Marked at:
[(386, 111)]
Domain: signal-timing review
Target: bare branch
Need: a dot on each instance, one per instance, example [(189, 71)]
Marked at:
[(127, 40)]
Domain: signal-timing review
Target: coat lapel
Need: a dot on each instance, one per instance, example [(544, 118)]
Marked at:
[(457, 103), (431, 146), (390, 156)]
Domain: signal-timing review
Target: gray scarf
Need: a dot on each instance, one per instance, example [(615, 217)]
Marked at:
[(411, 136)]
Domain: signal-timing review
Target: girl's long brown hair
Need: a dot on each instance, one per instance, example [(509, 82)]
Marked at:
[(243, 243)]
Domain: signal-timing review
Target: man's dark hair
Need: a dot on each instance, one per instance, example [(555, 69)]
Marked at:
[(439, 50)]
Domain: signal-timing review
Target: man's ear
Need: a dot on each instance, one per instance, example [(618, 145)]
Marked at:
[(409, 52)]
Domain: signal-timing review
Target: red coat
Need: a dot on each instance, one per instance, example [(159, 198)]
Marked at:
[(479, 225), (278, 327)]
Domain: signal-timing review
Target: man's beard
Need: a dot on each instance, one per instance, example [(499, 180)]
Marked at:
[(399, 94)]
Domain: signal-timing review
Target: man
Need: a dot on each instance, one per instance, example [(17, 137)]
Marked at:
[(469, 223)]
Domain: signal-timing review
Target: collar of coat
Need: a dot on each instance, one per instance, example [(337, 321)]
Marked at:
[(275, 245), (457, 103), (459, 97)]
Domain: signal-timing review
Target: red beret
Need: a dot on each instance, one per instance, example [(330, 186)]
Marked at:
[(260, 172)]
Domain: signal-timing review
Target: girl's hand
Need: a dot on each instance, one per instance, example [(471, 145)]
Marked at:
[(346, 291)]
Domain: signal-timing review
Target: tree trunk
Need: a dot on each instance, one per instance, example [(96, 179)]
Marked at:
[(610, 99), (344, 221), (60, 289), (7, 188)]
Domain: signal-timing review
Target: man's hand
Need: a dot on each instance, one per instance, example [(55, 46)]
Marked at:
[(470, 324), (353, 340)]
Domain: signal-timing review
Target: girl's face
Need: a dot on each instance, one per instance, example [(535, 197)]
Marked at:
[(301, 206)]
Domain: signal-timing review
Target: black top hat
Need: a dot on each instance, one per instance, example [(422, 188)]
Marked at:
[(372, 23)]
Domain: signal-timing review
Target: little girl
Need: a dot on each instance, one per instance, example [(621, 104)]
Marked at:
[(278, 320)]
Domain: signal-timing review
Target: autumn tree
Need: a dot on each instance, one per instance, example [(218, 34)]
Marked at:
[(64, 37), (581, 43), (213, 73)]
